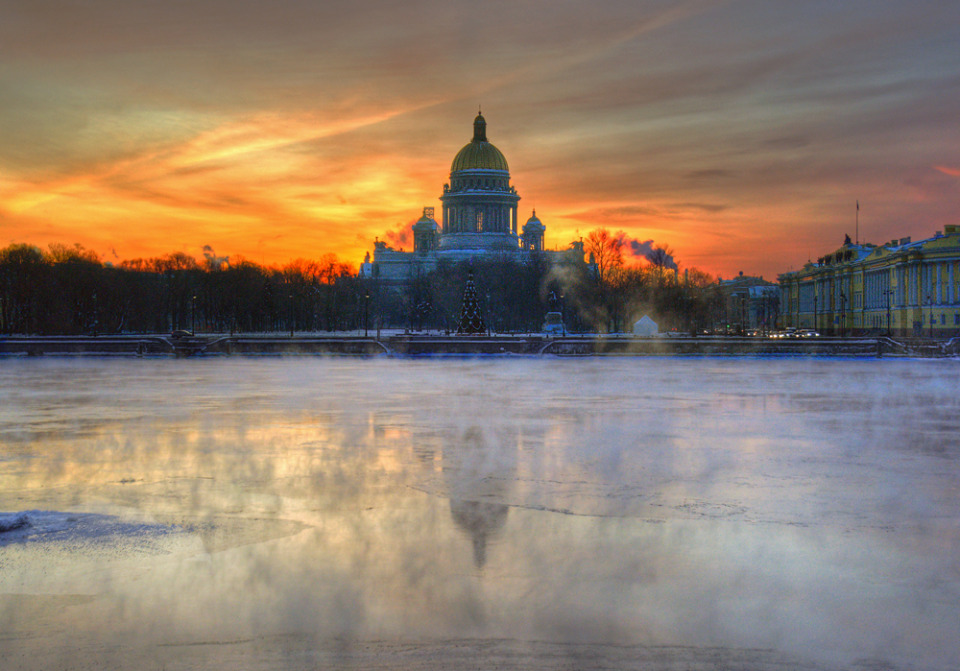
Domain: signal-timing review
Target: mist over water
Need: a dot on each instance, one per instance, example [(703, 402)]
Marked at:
[(636, 513)]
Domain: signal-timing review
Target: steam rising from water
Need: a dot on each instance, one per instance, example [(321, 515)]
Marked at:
[(316, 513)]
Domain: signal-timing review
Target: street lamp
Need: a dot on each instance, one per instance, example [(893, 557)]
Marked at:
[(843, 314), (366, 313), (292, 314), (563, 325), (797, 303), (887, 293), (96, 320), (743, 315), (815, 320), (489, 316)]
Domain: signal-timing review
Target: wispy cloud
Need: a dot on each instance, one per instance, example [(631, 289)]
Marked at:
[(711, 126), (947, 170)]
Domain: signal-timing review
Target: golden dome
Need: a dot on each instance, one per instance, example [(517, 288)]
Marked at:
[(479, 154)]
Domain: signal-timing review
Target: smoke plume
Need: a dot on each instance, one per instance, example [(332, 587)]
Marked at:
[(400, 236), (657, 256), (214, 262)]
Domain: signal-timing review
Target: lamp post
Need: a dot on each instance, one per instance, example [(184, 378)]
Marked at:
[(193, 314), (843, 314), (366, 313), (815, 319), (760, 311), (887, 293), (767, 304), (379, 305), (743, 315), (173, 314), (799, 304), (489, 316), (563, 325)]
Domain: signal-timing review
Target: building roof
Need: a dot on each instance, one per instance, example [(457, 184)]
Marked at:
[(479, 154), (851, 254)]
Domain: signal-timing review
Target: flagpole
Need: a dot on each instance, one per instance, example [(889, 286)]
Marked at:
[(858, 221)]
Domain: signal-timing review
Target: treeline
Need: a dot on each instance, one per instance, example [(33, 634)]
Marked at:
[(515, 296), (619, 288), (69, 290)]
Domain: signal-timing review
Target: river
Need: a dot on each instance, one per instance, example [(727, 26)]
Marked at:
[(501, 512)]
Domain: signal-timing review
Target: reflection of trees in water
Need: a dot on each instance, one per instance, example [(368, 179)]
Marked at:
[(479, 475)]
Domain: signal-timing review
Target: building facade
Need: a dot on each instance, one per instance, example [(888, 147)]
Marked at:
[(750, 305), (479, 219), (901, 288)]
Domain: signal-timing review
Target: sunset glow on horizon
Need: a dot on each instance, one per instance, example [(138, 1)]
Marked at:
[(741, 134)]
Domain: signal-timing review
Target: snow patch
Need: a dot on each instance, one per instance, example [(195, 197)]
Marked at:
[(13, 521), (79, 529)]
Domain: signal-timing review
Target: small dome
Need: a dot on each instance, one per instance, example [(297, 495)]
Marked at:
[(479, 154), (533, 222), (426, 221)]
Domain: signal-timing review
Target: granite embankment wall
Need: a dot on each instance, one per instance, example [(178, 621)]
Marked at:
[(439, 345)]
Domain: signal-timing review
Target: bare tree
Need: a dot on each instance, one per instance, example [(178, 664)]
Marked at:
[(661, 258), (606, 249)]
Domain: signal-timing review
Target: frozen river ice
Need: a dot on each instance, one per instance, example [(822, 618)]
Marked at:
[(508, 513)]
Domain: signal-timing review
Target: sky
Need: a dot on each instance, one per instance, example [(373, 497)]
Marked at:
[(741, 134)]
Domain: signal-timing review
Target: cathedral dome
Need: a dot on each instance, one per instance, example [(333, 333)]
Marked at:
[(479, 154)]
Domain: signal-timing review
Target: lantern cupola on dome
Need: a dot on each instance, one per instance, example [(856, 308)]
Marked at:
[(480, 153)]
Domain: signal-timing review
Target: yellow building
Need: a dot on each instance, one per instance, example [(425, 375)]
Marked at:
[(901, 288)]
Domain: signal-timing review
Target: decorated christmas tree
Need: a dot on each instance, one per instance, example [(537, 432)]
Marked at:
[(471, 320)]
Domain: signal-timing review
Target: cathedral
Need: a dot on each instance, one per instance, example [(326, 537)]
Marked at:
[(479, 219)]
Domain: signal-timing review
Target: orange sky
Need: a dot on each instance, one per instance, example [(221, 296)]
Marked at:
[(739, 133)]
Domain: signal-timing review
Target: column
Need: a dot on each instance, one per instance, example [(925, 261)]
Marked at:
[(939, 284), (950, 298)]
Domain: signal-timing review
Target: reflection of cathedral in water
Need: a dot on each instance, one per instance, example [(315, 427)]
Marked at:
[(480, 520), (479, 478)]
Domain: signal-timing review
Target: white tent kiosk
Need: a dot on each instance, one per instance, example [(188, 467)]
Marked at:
[(645, 327)]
